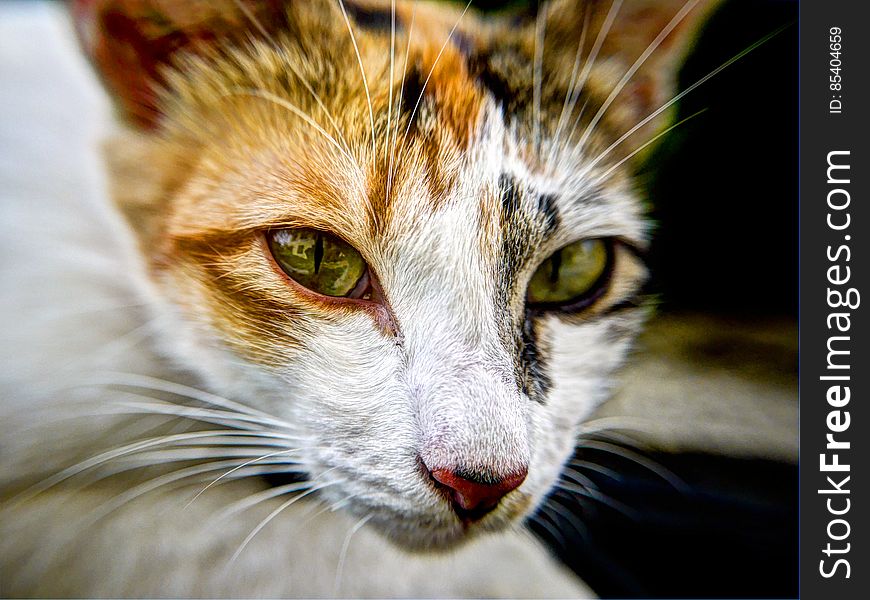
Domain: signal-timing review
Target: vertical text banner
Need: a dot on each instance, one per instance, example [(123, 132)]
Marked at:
[(834, 299)]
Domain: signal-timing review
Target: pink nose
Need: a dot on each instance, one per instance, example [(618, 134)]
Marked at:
[(473, 496)]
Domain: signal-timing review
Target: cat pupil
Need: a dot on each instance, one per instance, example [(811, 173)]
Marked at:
[(318, 252), (555, 265)]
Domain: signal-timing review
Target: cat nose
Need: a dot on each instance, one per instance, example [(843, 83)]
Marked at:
[(472, 495)]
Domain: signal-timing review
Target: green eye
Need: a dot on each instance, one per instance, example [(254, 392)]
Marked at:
[(317, 260), (571, 275)]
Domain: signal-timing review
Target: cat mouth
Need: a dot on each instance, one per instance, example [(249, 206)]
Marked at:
[(439, 515), (449, 527)]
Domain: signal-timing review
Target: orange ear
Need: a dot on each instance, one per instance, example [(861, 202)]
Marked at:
[(132, 42)]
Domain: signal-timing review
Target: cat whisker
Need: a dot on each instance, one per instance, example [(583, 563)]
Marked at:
[(363, 73), (256, 498), (166, 457), (342, 555), (538, 76), (639, 459), (392, 62), (234, 419), (305, 83), (573, 91), (591, 491), (284, 103), (652, 140), (118, 501), (125, 450), (544, 519), (574, 521), (432, 70), (581, 480), (241, 466), (609, 19), (676, 98), (395, 128), (591, 466), (666, 30), (274, 514), (110, 378), (332, 507)]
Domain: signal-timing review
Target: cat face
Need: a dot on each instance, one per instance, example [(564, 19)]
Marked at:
[(466, 180)]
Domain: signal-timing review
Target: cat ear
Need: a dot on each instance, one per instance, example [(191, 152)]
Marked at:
[(653, 35), (132, 42)]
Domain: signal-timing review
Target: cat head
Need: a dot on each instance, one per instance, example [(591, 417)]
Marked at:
[(411, 236)]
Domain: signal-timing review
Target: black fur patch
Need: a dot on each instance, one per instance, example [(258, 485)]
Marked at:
[(522, 232), (536, 380), (523, 229), (510, 197), (481, 70), (373, 19), (412, 95), (547, 208)]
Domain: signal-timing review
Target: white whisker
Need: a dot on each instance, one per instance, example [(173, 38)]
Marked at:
[(241, 466), (262, 496), (274, 514), (590, 490), (679, 96), (259, 25), (120, 451), (342, 555), (573, 520), (586, 464), (223, 417), (541, 517), (432, 70), (390, 101), (363, 73), (395, 133), (109, 378), (638, 459), (615, 5), (676, 20), (284, 103), (538, 76), (573, 91)]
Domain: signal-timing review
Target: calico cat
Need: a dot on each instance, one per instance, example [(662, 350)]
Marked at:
[(378, 262)]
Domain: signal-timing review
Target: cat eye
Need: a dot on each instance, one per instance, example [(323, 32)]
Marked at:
[(321, 262), (572, 277)]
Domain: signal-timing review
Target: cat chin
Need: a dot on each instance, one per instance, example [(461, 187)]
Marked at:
[(416, 540), (412, 536)]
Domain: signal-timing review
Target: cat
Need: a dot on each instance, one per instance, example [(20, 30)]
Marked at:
[(373, 264)]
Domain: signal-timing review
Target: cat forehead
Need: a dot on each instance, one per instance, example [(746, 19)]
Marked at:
[(411, 192), (357, 138)]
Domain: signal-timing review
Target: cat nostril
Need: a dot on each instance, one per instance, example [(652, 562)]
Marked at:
[(473, 495)]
